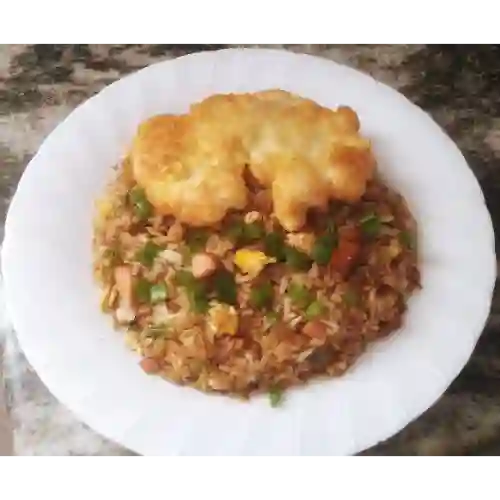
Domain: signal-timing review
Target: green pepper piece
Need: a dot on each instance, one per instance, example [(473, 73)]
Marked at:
[(253, 232), (198, 298), (297, 260), (273, 317), (197, 239), (235, 231), (158, 293), (225, 287), (407, 239), (315, 309), (141, 205), (261, 296), (195, 290), (370, 225), (274, 246), (147, 254), (143, 290), (300, 295), (243, 234), (275, 397), (323, 248), (184, 278)]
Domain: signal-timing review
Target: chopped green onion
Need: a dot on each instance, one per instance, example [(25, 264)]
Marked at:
[(235, 231), (323, 248), (157, 331), (315, 309), (197, 239), (300, 295), (195, 290), (198, 297), (184, 278), (261, 296), (297, 260), (143, 290), (241, 233), (142, 208), (225, 287), (253, 232), (274, 246), (273, 317), (407, 239), (370, 225), (275, 397), (148, 253), (158, 293)]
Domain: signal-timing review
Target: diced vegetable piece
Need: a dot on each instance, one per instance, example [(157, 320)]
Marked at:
[(184, 278), (315, 309), (407, 239), (158, 293), (147, 255), (274, 246), (275, 397), (235, 230), (273, 317), (143, 290), (198, 297), (300, 295), (239, 232), (142, 208), (197, 239), (297, 260), (370, 225), (196, 291), (225, 287), (157, 331), (323, 248), (261, 296), (253, 232)]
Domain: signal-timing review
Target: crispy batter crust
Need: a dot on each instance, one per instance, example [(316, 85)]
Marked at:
[(192, 166)]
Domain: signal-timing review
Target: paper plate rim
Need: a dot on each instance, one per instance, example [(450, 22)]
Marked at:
[(133, 442)]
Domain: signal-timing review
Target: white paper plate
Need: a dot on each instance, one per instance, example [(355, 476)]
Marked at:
[(54, 302)]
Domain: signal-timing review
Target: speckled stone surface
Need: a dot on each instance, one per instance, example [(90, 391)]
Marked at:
[(458, 85)]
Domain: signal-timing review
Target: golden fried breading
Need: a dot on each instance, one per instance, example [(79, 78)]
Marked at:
[(185, 174), (192, 166)]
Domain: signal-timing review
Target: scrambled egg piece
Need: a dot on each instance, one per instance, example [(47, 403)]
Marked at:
[(223, 319), (251, 262), (192, 166)]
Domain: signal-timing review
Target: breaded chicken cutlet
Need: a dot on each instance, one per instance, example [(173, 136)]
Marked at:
[(192, 166)]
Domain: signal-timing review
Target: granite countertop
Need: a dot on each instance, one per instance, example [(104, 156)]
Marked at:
[(458, 85)]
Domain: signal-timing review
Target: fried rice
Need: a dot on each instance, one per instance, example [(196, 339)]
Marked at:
[(243, 306)]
